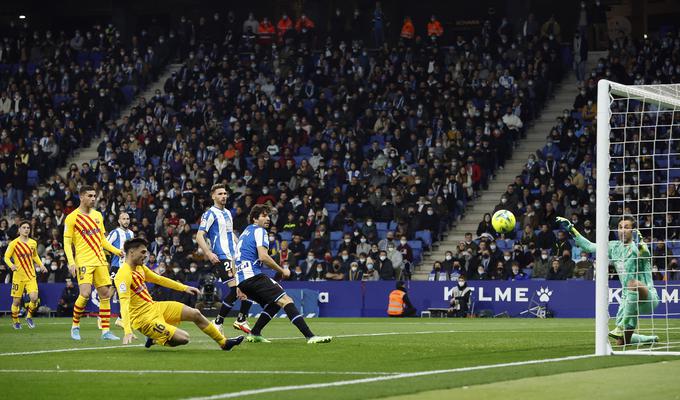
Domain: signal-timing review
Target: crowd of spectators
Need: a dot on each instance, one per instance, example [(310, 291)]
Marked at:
[(367, 154), (559, 180)]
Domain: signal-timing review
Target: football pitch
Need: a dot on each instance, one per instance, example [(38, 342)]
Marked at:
[(368, 358)]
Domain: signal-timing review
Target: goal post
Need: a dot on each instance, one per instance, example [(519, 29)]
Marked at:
[(637, 159)]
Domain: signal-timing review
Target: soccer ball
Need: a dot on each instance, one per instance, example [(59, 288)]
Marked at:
[(503, 221)]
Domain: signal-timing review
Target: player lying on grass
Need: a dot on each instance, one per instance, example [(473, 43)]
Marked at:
[(252, 254), (20, 257), (157, 320), (632, 261)]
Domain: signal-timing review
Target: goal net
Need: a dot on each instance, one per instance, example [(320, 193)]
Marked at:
[(638, 173)]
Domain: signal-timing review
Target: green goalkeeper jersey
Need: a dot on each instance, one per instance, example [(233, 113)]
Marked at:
[(630, 261)]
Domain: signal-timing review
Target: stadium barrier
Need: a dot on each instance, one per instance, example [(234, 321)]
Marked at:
[(565, 299)]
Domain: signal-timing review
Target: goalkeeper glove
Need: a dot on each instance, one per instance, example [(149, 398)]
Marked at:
[(565, 224)]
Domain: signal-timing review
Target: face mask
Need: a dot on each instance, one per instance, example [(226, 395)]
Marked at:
[(310, 258), (382, 258), (347, 241), (319, 270), (192, 269), (271, 238), (363, 240), (507, 258), (175, 270), (544, 256), (493, 247), (403, 242), (448, 258), (53, 267), (429, 212), (369, 223), (369, 266)]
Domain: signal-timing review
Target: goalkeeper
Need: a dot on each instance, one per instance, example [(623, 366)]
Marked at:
[(632, 261)]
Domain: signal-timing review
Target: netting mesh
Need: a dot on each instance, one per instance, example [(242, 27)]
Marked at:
[(644, 179)]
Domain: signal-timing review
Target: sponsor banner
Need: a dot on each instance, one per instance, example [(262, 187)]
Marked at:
[(565, 299)]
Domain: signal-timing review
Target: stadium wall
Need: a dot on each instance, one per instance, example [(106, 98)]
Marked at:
[(565, 299)]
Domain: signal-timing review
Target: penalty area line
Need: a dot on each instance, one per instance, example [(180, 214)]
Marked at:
[(276, 389), (26, 353), (195, 372)]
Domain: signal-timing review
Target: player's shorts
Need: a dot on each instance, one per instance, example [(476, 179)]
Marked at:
[(18, 287), (262, 289), (226, 273), (160, 324), (97, 275), (114, 271)]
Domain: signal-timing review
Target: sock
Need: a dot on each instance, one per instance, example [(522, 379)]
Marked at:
[(638, 339), (227, 305), (631, 310), (105, 314), (211, 330), (297, 320), (267, 314), (15, 314), (31, 309), (243, 312), (78, 309)]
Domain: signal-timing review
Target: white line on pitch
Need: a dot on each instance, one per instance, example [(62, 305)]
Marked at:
[(384, 378), (197, 372), (24, 353)]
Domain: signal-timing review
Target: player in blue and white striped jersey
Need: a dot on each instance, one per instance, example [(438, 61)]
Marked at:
[(218, 224), (117, 238), (252, 254)]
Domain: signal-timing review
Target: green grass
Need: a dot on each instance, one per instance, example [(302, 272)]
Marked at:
[(419, 345)]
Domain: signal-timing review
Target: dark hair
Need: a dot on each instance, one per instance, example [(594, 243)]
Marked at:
[(85, 188), (258, 210), (24, 222), (629, 218), (135, 243), (218, 186)]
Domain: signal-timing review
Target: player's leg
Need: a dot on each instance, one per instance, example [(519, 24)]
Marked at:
[(114, 294), (646, 307), (636, 292), (102, 281), (241, 322), (32, 304), (298, 320), (267, 314), (195, 316), (227, 305), (16, 303), (85, 278)]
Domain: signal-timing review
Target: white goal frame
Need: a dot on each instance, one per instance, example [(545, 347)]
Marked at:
[(660, 94)]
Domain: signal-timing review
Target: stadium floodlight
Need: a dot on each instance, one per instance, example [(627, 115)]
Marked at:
[(638, 158), (22, 16)]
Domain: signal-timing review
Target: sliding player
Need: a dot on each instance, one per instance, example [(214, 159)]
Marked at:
[(632, 260), (252, 254), (157, 320), (20, 257), (218, 224)]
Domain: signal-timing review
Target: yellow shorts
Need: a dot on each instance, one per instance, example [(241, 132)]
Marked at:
[(160, 324), (97, 275), (18, 287)]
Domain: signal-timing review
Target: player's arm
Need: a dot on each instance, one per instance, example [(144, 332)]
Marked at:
[(37, 260), (262, 243), (8, 256), (105, 242), (585, 244), (68, 244), (207, 219), (642, 246), (156, 279), (123, 281)]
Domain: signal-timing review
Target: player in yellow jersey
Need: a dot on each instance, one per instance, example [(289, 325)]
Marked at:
[(157, 320), (20, 257), (84, 230)]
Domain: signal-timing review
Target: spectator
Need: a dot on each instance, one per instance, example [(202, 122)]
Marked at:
[(460, 299), (516, 274), (387, 272), (542, 265), (67, 299), (584, 268), (485, 226), (555, 272), (371, 274), (355, 274)]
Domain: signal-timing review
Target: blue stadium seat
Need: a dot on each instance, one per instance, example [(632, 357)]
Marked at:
[(392, 226), (426, 237), (336, 235), (381, 226), (298, 159), (286, 235), (305, 151), (382, 234), (529, 272), (32, 178), (332, 207)]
